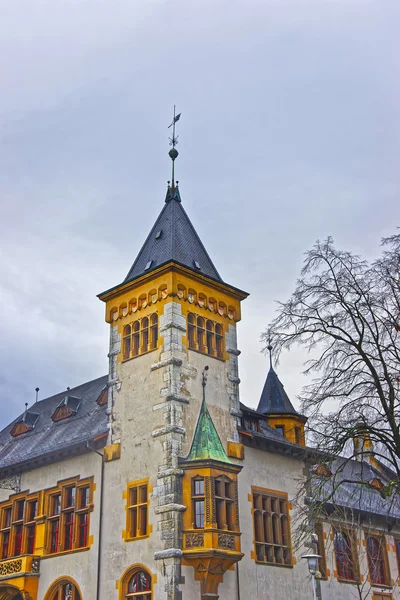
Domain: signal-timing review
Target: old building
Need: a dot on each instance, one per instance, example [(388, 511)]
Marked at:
[(155, 482)]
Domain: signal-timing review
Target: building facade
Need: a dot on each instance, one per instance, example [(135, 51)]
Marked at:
[(154, 482)]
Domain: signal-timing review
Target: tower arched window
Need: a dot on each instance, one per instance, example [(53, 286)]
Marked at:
[(205, 336), (153, 331), (137, 584), (126, 342), (377, 560), (344, 556), (219, 339), (200, 334), (210, 337), (140, 336)]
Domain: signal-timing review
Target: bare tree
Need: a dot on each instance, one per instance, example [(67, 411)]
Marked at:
[(346, 313)]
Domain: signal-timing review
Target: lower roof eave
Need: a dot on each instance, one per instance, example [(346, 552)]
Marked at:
[(81, 447), (257, 440)]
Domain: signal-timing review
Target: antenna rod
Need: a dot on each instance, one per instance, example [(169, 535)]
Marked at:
[(37, 394)]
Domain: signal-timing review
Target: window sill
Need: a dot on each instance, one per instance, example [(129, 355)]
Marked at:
[(124, 360), (64, 552), (206, 354), (268, 564), (349, 581), (139, 537), (382, 586)]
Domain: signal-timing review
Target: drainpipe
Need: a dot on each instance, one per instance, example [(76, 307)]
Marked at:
[(237, 581), (100, 519)]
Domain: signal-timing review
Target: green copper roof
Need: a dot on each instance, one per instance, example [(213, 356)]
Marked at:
[(206, 443)]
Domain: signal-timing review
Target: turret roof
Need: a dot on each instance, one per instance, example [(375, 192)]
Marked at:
[(173, 238), (206, 444), (274, 400)]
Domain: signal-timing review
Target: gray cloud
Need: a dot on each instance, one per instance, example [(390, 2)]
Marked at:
[(289, 132)]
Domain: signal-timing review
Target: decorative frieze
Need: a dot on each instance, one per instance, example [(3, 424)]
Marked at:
[(194, 540), (226, 541)]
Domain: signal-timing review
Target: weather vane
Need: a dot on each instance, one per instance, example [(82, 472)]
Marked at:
[(173, 153)]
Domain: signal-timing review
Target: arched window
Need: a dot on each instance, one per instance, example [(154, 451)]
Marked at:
[(219, 338), (205, 336), (344, 556), (63, 589), (210, 337), (140, 336), (153, 331), (135, 338), (137, 584), (191, 331), (200, 334), (126, 342), (377, 560)]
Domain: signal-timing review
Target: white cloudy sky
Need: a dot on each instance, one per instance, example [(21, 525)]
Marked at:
[(289, 133)]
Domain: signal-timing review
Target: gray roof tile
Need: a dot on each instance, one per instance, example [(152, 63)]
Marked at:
[(48, 436), (274, 400), (177, 242)]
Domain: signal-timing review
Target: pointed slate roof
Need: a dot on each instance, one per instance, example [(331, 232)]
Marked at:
[(173, 238), (274, 400), (206, 444)]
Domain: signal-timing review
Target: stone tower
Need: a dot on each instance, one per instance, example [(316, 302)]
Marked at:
[(171, 317)]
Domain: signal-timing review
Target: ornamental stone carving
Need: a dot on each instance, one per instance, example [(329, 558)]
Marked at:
[(194, 540), (10, 567), (35, 565), (13, 482), (226, 541)]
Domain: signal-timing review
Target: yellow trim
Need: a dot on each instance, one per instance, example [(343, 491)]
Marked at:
[(112, 452), (59, 581), (277, 493), (235, 450), (125, 495)]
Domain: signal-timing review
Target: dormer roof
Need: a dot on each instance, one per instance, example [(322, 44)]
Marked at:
[(274, 400), (24, 423), (68, 406)]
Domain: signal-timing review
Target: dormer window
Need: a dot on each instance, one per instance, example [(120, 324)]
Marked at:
[(68, 406), (25, 423), (103, 397)]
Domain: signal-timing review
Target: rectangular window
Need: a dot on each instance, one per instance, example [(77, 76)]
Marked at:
[(18, 530), (381, 596), (83, 521), (5, 542), (198, 500), (30, 539), (15, 520), (137, 510), (54, 531), (271, 527), (224, 503), (68, 527)]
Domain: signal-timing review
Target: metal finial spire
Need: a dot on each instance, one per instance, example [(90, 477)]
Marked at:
[(204, 381), (269, 348), (37, 393), (173, 153)]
